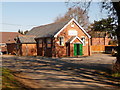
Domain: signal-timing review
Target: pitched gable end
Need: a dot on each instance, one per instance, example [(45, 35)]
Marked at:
[(76, 24)]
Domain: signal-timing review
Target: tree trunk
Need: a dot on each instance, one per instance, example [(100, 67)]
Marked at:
[(116, 6)]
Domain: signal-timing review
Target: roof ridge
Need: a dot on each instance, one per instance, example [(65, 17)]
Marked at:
[(51, 23)]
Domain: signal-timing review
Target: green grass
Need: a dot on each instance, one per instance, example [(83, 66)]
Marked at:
[(9, 81), (116, 75)]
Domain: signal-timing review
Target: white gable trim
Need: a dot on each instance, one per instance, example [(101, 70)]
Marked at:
[(82, 29), (68, 24), (63, 28), (78, 39)]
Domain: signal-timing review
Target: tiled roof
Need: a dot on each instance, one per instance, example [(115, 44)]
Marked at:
[(48, 30), (8, 37), (71, 39), (27, 39), (96, 34)]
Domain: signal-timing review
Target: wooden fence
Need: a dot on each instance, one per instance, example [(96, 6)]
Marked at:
[(99, 48)]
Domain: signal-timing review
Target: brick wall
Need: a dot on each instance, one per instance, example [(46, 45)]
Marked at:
[(11, 48), (29, 49), (43, 49), (67, 50), (62, 50), (100, 41)]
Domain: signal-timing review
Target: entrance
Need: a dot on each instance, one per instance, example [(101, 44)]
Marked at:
[(78, 49)]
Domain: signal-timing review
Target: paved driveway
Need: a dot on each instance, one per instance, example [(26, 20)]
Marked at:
[(38, 72)]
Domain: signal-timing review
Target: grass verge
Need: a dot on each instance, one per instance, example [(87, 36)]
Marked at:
[(116, 75), (9, 81)]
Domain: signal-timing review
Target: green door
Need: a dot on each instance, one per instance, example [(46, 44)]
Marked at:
[(81, 49), (75, 49), (78, 49)]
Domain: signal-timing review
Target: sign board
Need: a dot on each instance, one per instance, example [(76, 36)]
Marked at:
[(72, 32)]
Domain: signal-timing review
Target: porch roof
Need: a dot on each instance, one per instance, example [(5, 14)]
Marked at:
[(73, 38), (26, 39)]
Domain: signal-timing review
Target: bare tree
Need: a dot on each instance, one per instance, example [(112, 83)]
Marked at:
[(78, 14)]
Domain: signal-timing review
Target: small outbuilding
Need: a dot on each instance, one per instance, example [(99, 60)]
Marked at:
[(7, 42), (26, 45)]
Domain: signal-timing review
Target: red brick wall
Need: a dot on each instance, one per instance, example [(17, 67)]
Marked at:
[(67, 50), (98, 44), (100, 41), (11, 48), (61, 50), (29, 49), (44, 50)]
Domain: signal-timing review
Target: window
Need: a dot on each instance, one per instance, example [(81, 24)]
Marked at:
[(61, 40), (48, 43), (40, 43), (83, 39)]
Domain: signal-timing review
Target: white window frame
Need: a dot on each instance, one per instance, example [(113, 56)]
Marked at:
[(61, 43), (83, 38), (49, 42)]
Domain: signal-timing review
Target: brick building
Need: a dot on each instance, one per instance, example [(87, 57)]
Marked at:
[(99, 38), (26, 45), (7, 42), (59, 39)]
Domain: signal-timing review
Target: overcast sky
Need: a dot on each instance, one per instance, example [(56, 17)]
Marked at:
[(26, 15)]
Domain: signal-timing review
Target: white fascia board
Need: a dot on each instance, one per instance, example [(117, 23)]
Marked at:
[(78, 26), (63, 28), (78, 39), (82, 28)]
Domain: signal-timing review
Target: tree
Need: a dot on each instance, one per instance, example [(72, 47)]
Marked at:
[(78, 14), (113, 11), (116, 6), (19, 31), (105, 25)]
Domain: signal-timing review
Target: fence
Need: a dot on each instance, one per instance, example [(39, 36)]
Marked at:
[(101, 48)]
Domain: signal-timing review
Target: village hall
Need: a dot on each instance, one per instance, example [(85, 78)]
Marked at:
[(59, 39)]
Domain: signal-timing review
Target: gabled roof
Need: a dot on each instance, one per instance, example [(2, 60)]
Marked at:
[(26, 39), (77, 25), (48, 30), (53, 29), (71, 39), (8, 37)]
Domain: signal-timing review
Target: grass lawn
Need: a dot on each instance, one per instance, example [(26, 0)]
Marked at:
[(9, 81)]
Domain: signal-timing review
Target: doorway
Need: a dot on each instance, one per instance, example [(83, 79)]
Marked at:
[(78, 49)]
